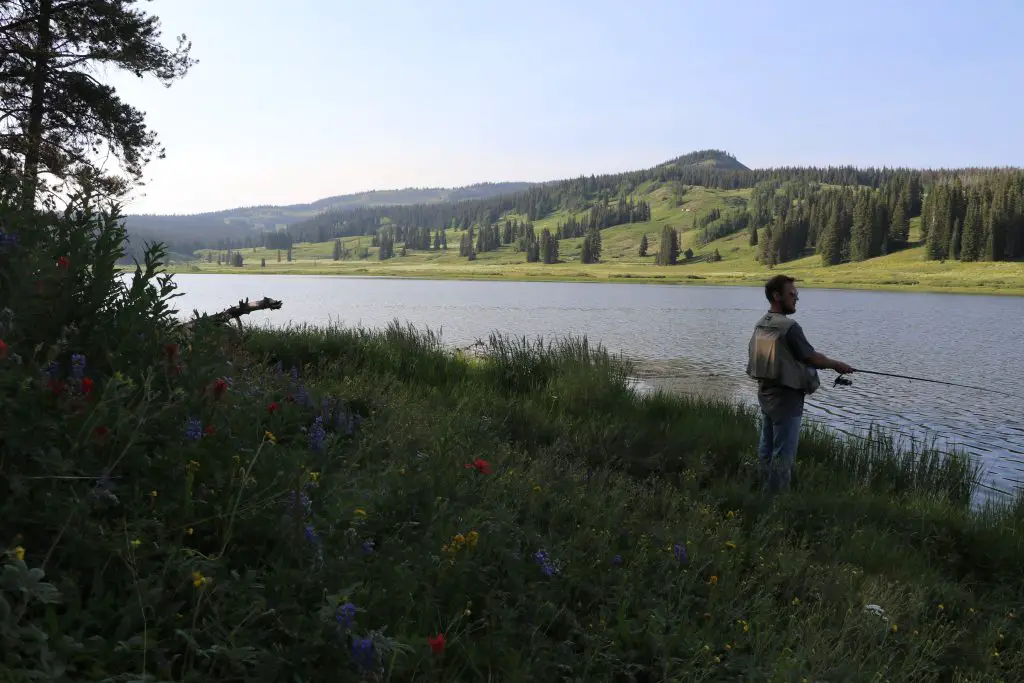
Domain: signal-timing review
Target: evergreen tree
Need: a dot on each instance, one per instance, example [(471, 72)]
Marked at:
[(955, 241), (57, 116), (668, 249), (548, 247), (862, 228), (643, 245), (289, 254), (263, 263), (337, 250), (972, 241)]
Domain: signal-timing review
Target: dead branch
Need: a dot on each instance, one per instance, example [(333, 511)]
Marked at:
[(244, 307)]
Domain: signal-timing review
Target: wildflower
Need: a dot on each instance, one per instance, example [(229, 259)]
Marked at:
[(87, 385), (368, 546), (77, 365), (362, 652), (713, 580), (19, 553), (346, 615), (198, 580), (190, 531), (301, 501), (536, 488), (302, 396), (796, 601), (311, 534), (360, 513), (3, 349), (480, 465), (314, 477), (730, 514), (317, 434), (209, 430), (153, 494), (63, 263), (941, 607), (136, 543), (194, 430), (273, 407), (617, 560), (895, 628), (220, 388), (471, 538), (436, 643), (541, 557), (270, 437), (680, 552), (730, 545)]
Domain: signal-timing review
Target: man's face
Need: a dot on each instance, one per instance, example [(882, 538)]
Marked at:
[(789, 298)]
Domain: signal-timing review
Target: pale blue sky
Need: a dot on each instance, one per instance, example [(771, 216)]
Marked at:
[(293, 101)]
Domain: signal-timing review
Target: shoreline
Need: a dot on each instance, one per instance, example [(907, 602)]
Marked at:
[(625, 278)]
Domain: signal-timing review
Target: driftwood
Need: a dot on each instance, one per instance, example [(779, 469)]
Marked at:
[(244, 307)]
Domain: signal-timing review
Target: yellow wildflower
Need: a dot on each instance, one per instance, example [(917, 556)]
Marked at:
[(153, 494), (730, 514), (19, 553), (895, 628), (459, 539), (270, 437), (314, 476), (472, 538), (730, 545), (941, 606), (190, 531), (718, 659), (360, 513), (198, 580), (536, 488), (796, 601), (136, 543), (714, 580)]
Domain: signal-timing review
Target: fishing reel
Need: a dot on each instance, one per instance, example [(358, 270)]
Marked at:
[(842, 381)]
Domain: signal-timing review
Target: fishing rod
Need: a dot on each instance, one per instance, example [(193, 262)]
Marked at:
[(846, 381)]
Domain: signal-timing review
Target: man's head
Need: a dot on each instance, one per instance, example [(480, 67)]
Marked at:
[(781, 294)]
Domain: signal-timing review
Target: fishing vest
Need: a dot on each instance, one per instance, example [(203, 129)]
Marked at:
[(770, 357)]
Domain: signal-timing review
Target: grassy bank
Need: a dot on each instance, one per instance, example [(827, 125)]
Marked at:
[(328, 523), (906, 270)]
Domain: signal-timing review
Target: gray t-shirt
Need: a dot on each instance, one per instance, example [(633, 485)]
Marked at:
[(780, 402)]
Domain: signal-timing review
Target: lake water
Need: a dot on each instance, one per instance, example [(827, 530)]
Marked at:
[(694, 339)]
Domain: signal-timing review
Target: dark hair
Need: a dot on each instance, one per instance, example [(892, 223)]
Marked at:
[(776, 285)]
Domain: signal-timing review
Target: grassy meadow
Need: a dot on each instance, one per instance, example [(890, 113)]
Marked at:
[(342, 504), (620, 262)]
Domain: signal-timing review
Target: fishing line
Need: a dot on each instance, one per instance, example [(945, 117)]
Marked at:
[(845, 381)]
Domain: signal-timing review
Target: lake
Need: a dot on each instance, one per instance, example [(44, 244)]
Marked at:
[(693, 339)]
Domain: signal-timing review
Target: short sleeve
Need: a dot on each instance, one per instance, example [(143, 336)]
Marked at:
[(798, 343)]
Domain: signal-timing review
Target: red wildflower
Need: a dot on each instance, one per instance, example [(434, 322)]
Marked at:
[(3, 349), (480, 465), (436, 643), (63, 263), (100, 432), (273, 407), (87, 385), (209, 430), (219, 388)]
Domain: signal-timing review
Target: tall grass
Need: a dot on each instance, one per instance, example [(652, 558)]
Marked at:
[(548, 520)]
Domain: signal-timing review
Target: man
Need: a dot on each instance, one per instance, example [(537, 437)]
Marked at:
[(785, 366)]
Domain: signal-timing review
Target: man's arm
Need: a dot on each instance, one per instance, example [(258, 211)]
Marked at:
[(805, 353)]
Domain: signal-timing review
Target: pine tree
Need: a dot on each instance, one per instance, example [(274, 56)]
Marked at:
[(56, 111), (337, 250), (289, 254), (955, 241), (972, 241), (862, 228), (643, 245), (668, 249), (263, 263)]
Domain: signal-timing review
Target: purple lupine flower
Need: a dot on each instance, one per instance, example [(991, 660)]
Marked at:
[(317, 434), (194, 430), (302, 396), (311, 535), (368, 546), (362, 652), (53, 370), (680, 552), (77, 366), (541, 557), (346, 615), (295, 374), (300, 501), (617, 560)]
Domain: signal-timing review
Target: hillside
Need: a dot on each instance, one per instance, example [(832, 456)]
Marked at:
[(906, 270), (246, 222)]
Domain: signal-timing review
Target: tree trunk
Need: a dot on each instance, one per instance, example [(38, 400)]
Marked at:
[(34, 130)]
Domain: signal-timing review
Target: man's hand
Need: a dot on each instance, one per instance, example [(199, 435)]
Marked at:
[(841, 367)]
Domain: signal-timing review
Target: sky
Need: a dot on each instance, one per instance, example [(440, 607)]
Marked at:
[(294, 101)]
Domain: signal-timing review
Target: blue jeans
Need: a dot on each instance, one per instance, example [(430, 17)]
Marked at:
[(777, 451)]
